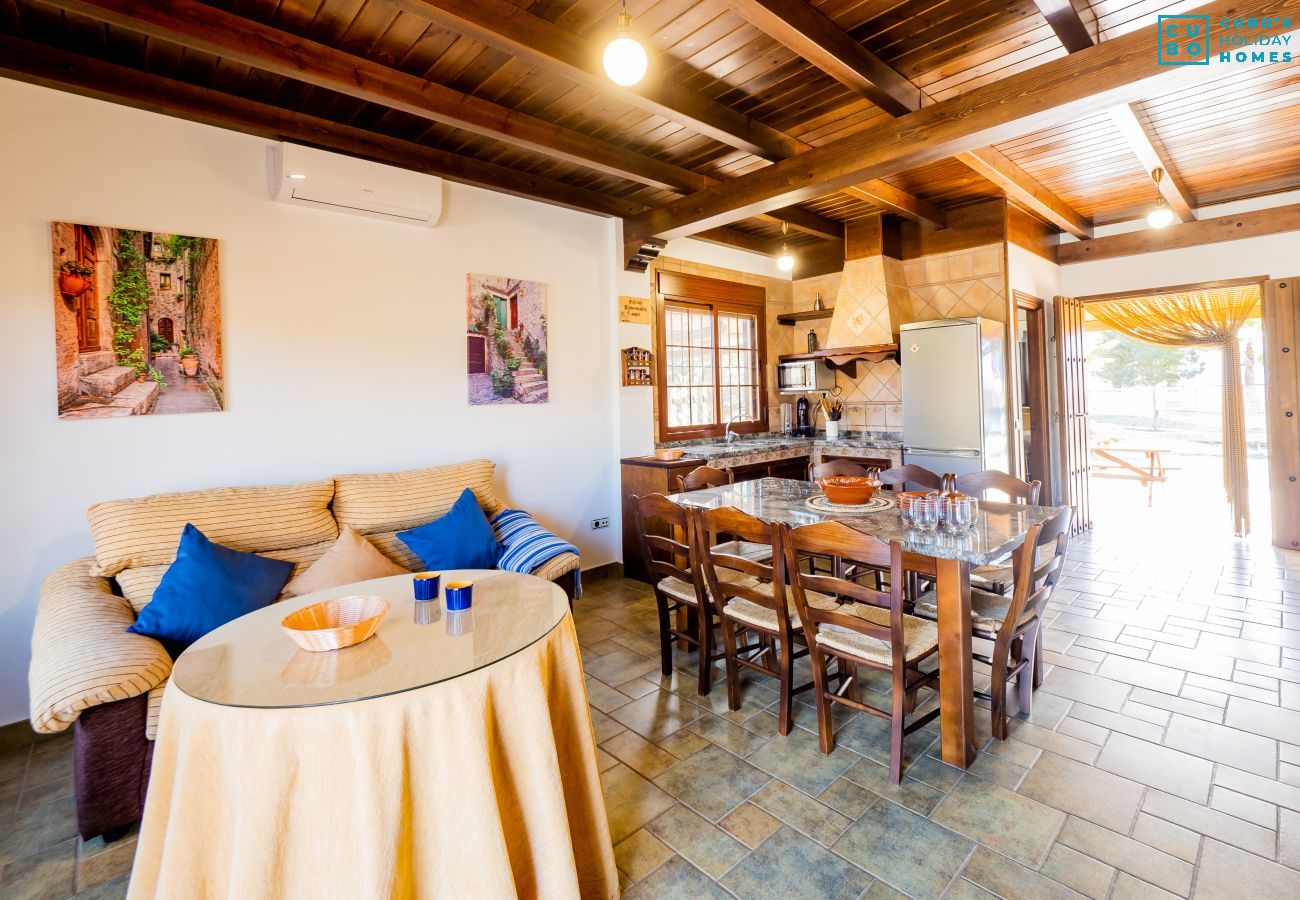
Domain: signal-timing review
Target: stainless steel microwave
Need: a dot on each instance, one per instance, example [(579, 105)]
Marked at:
[(804, 376)]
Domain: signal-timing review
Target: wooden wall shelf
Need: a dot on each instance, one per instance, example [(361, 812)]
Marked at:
[(846, 359), (806, 315)]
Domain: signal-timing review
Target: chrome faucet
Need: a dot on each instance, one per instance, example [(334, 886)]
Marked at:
[(729, 435)]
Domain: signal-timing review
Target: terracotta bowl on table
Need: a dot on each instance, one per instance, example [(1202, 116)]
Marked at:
[(849, 490)]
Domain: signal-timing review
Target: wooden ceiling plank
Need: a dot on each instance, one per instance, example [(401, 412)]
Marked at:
[(1074, 35), (201, 27), (822, 42), (50, 67), (1187, 234), (1118, 71)]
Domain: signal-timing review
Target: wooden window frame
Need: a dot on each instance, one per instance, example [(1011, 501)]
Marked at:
[(1037, 401), (717, 296)]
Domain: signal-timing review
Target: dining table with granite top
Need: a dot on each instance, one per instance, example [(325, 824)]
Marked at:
[(998, 530)]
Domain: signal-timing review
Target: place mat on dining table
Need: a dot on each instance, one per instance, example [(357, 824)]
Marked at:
[(875, 504)]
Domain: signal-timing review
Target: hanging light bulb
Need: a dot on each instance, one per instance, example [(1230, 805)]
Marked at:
[(625, 59), (785, 262), (1161, 215)]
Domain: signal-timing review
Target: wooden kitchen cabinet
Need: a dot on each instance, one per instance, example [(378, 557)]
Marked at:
[(643, 475)]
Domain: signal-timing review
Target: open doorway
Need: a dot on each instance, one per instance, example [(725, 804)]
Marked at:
[(1173, 382), (1031, 367)]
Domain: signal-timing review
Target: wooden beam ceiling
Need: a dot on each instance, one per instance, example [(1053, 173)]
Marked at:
[(205, 28), (1074, 35), (39, 64), (43, 65), (540, 43), (808, 32), (1187, 234), (1064, 90)]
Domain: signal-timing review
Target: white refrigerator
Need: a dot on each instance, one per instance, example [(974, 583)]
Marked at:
[(954, 395)]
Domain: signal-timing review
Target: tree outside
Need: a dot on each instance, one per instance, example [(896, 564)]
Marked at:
[(1129, 363)]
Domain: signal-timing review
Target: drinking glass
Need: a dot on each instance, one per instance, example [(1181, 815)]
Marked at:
[(925, 514), (961, 514)]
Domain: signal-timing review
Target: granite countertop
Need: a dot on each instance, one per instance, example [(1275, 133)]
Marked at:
[(771, 442)]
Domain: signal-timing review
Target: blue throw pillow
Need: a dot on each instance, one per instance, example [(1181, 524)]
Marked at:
[(207, 586), (462, 539)]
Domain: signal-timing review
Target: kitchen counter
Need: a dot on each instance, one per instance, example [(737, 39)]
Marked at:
[(774, 446)]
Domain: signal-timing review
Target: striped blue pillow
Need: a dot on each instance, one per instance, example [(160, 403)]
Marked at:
[(526, 546)]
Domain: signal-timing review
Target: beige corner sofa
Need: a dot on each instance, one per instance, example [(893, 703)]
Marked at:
[(89, 674)]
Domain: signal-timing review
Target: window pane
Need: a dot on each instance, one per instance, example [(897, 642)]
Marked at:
[(679, 407), (702, 406)]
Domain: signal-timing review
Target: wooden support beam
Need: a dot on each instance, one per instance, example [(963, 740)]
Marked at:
[(1188, 234), (50, 67), (1147, 148), (807, 31), (1066, 22), (1074, 34), (211, 30), (540, 43), (1119, 71), (1026, 190)]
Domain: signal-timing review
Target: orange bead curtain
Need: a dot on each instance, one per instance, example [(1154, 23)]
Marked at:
[(1200, 319)]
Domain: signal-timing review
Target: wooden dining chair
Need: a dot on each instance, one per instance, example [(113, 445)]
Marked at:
[(1015, 624), (859, 626), (836, 467), (704, 477), (707, 477), (911, 478), (998, 577), (1017, 489), (672, 561), (752, 603)]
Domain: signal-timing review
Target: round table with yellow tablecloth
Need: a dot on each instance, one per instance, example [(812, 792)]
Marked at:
[(450, 755)]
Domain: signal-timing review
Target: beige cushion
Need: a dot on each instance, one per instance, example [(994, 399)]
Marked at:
[(919, 636), (82, 654), (138, 584), (146, 531), (556, 566), (987, 610), (352, 558), (396, 501)]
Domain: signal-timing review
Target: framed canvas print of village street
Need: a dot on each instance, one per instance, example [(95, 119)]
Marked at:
[(137, 322), (505, 340)]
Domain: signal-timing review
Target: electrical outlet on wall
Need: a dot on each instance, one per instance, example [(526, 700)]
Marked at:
[(602, 522)]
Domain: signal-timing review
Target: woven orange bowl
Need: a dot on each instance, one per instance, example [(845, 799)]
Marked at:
[(848, 490), (335, 624), (669, 455)]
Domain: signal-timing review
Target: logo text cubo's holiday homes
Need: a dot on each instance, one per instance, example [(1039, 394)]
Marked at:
[(1186, 40)]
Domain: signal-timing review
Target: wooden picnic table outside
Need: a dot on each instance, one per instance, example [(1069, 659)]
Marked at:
[(1150, 472)]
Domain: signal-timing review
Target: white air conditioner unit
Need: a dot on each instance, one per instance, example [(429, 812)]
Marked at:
[(328, 181)]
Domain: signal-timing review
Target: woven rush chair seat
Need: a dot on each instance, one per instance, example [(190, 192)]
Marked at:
[(987, 610), (920, 636), (761, 616)]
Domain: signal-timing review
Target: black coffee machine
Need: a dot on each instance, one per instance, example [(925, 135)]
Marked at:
[(802, 426)]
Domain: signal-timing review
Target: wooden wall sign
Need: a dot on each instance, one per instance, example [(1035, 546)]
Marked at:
[(638, 368), (634, 310)]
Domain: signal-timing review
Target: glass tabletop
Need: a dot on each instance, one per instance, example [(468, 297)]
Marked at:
[(251, 661), (999, 528)]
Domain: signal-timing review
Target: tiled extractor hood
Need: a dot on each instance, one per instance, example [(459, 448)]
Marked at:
[(872, 302)]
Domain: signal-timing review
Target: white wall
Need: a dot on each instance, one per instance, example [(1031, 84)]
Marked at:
[(344, 341), (636, 404)]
